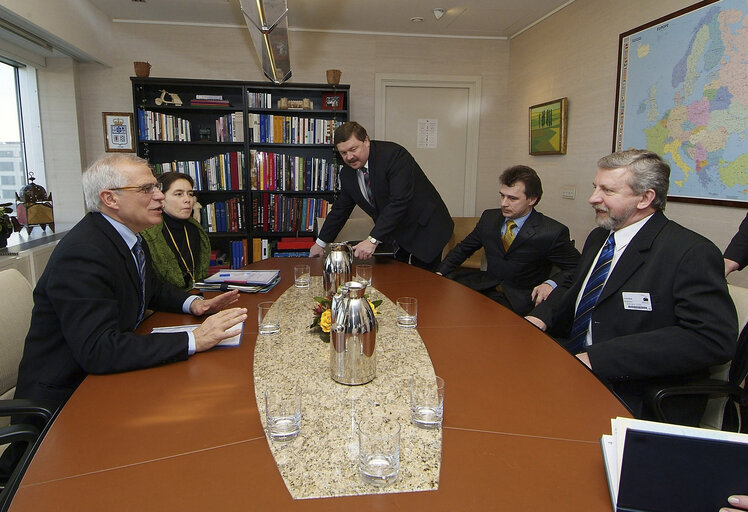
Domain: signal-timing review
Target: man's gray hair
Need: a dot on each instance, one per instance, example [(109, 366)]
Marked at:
[(104, 174), (648, 171)]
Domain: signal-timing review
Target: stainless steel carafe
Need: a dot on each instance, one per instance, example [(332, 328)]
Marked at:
[(353, 338), (338, 267)]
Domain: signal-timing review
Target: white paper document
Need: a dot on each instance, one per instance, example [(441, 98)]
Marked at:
[(253, 277), (233, 341)]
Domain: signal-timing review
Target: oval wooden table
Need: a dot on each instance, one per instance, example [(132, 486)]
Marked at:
[(522, 421)]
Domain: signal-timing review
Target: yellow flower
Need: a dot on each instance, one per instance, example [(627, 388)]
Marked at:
[(373, 307), (325, 320)]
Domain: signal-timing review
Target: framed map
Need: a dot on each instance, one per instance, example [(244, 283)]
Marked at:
[(683, 93)]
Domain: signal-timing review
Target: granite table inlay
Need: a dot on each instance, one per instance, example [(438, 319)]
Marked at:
[(323, 460)]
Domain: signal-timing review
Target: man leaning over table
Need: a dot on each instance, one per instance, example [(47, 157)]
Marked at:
[(656, 312), (522, 247), (385, 181), (90, 299)]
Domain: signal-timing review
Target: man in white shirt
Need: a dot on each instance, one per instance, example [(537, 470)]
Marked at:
[(648, 305)]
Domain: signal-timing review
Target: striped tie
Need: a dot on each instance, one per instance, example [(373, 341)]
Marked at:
[(367, 185), (137, 250), (589, 297), (508, 237)]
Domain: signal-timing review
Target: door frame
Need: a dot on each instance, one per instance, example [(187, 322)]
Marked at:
[(473, 86)]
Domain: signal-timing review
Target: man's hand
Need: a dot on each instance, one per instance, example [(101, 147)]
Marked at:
[(738, 501), (315, 251), (730, 266), (364, 249), (537, 322), (201, 307), (214, 329), (585, 358), (541, 292)]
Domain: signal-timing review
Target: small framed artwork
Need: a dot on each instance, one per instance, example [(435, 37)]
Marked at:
[(118, 132), (332, 101), (548, 128)]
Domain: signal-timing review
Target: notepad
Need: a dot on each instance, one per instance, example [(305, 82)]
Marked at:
[(233, 341), (250, 277)]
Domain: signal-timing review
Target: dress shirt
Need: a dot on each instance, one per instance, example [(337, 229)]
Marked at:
[(622, 237), (130, 238)]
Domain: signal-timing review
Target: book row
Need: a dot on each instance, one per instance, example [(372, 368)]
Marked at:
[(259, 99), (230, 128), (224, 171), (282, 213), (278, 171), (223, 216), (272, 129), (163, 127)]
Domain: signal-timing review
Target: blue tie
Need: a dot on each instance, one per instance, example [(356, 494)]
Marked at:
[(137, 250), (589, 298)]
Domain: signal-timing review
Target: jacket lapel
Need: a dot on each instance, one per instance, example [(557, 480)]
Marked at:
[(122, 249), (527, 231)]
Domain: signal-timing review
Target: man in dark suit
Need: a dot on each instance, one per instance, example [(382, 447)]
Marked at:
[(648, 305), (91, 297), (386, 182), (518, 274), (736, 254)]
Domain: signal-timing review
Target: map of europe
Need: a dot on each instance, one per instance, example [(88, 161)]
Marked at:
[(683, 93)]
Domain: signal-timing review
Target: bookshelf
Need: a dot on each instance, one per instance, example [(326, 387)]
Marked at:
[(261, 155)]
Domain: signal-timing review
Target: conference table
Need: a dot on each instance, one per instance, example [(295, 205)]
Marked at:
[(522, 421)]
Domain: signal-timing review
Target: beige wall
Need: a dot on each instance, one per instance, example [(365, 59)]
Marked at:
[(574, 54)]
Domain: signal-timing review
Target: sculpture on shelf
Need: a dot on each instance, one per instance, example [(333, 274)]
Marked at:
[(169, 98), (8, 224), (34, 206)]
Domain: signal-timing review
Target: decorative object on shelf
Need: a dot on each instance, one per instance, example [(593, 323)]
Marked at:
[(270, 38), (142, 69), (118, 132), (353, 338), (332, 101), (305, 104), (333, 76), (9, 225), (338, 267), (548, 128), (34, 206), (169, 98)]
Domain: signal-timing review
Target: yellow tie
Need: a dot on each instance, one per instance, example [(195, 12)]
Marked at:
[(508, 237)]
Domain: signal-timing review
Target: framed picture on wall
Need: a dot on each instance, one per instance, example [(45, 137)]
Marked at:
[(118, 132), (548, 128)]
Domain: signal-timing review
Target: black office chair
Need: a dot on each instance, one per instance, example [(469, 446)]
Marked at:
[(737, 396), (26, 434)]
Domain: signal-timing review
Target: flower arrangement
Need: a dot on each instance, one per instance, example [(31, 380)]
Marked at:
[(323, 317)]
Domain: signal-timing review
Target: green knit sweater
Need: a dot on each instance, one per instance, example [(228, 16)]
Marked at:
[(164, 261)]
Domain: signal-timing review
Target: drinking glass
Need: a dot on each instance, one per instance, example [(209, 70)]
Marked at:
[(268, 319), (379, 449), (363, 274), (427, 401), (407, 312), (302, 276), (283, 411)]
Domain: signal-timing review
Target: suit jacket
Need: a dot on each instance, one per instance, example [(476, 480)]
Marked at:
[(407, 208), (692, 324), (540, 244), (737, 250), (85, 308)]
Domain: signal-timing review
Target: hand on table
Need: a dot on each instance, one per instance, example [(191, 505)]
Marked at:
[(364, 249), (730, 266), (201, 307), (315, 251), (537, 322), (541, 292), (585, 358), (214, 329)]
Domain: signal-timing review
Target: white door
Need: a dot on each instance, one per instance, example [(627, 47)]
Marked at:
[(436, 119)]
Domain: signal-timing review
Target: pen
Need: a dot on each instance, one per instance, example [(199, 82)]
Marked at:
[(224, 274)]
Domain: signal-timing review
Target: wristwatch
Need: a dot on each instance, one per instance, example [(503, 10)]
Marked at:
[(373, 240)]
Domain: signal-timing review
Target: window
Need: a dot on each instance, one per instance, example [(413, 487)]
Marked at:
[(20, 130)]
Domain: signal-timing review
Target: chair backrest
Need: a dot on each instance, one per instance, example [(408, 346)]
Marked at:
[(15, 317), (463, 227)]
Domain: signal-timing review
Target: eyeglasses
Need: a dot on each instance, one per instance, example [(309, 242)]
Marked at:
[(143, 189)]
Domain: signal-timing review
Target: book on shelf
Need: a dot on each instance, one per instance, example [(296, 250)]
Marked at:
[(279, 171), (157, 126), (259, 99), (284, 213), (214, 97), (210, 103), (278, 129), (290, 254), (223, 216), (256, 250), (295, 243), (659, 466), (224, 171)]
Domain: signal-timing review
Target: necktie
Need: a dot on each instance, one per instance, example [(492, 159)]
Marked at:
[(367, 185), (589, 297), (137, 250), (508, 237)]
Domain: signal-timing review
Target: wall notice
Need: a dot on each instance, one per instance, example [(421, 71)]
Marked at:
[(427, 132)]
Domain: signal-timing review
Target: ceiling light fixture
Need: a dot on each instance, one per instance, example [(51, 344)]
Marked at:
[(416, 19), (438, 13), (267, 21)]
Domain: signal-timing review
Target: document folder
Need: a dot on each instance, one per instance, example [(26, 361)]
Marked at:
[(665, 473)]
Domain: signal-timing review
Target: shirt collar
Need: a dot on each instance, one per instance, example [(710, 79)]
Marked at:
[(126, 233), (519, 221), (624, 235)]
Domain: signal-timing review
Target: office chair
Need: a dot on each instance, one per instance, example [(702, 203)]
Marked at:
[(734, 392)]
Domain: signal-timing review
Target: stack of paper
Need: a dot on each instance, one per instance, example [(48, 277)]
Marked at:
[(233, 341)]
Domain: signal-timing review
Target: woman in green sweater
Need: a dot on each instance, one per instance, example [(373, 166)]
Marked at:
[(179, 247)]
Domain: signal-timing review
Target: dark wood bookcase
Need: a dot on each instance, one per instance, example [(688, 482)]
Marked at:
[(262, 172)]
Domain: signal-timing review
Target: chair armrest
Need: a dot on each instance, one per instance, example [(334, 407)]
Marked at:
[(40, 409), (18, 433), (711, 388)]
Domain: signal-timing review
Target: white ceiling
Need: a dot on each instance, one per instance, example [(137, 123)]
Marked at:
[(470, 18)]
